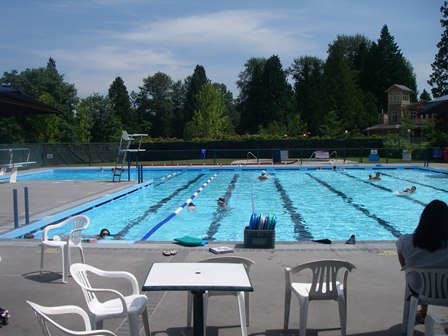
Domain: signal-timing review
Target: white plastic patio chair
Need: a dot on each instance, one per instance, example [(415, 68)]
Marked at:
[(432, 290), (324, 285), (100, 309), (48, 324), (430, 321), (71, 240), (243, 297)]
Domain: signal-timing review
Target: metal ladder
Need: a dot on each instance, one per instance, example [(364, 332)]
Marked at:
[(123, 150)]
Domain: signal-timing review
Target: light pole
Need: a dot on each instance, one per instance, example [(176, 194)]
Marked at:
[(345, 145)]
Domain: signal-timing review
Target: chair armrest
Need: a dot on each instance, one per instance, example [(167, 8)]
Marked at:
[(66, 310), (51, 227), (121, 274), (110, 291), (287, 278)]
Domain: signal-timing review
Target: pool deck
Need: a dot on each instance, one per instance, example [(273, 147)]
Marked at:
[(375, 287)]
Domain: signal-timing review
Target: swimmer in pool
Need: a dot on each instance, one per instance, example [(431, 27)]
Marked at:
[(263, 176), (222, 202), (191, 206), (410, 190), (377, 177)]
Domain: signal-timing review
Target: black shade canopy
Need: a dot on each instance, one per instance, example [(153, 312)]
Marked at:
[(436, 106), (15, 103)]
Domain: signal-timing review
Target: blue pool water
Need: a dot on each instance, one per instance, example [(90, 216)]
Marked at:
[(309, 204)]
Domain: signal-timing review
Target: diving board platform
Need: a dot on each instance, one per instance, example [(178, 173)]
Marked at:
[(12, 154)]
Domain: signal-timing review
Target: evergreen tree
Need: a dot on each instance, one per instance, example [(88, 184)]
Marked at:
[(386, 66), (340, 92), (158, 93), (332, 126), (276, 94), (439, 77), (250, 100), (194, 84), (119, 97), (307, 72)]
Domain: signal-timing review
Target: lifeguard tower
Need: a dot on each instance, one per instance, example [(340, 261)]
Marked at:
[(124, 153)]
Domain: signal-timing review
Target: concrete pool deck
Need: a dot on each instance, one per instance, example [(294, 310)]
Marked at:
[(375, 288)]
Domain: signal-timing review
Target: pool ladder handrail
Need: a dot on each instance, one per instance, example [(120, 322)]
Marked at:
[(253, 155), (329, 156)]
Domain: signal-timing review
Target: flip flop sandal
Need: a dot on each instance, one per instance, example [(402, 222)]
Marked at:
[(167, 253), (173, 252)]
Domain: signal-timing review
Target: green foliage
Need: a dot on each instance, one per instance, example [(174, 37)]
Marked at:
[(439, 77), (96, 114), (193, 85), (210, 119), (307, 73), (119, 98), (157, 99), (332, 126)]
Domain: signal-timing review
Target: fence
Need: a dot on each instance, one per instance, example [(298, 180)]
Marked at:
[(103, 154)]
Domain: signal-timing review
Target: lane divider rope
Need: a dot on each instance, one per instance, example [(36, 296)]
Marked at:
[(179, 209)]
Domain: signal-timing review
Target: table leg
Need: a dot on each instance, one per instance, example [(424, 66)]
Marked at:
[(198, 313)]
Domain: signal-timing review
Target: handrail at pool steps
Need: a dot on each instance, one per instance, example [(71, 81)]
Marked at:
[(260, 233), (14, 165)]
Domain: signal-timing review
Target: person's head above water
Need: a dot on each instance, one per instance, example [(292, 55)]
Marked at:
[(104, 233)]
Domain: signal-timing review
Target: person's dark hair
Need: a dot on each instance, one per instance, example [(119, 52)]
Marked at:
[(431, 232), (104, 232)]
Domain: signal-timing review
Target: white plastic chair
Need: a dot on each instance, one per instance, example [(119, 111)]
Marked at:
[(433, 290), (323, 286), (243, 297), (130, 306), (430, 321), (48, 324), (71, 240)]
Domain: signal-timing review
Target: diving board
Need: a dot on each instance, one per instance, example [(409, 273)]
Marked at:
[(24, 161)]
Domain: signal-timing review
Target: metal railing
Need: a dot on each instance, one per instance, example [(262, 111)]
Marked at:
[(253, 155)]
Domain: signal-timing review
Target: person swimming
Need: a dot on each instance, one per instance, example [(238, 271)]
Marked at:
[(263, 176), (191, 206), (222, 202), (410, 190), (377, 177)]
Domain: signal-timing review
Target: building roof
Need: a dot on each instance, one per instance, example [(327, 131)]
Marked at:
[(382, 127), (398, 87)]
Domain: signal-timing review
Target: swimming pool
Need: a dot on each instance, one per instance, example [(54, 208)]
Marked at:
[(309, 204)]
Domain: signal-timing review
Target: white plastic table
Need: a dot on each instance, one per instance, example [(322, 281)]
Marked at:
[(197, 278)]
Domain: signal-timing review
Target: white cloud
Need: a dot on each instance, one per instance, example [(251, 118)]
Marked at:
[(241, 30)]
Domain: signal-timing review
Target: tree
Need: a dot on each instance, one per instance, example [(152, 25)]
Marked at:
[(250, 100), (340, 92), (157, 91), (276, 94), (439, 77), (307, 72), (47, 84), (210, 119), (194, 84), (332, 126), (386, 66), (105, 126), (119, 98)]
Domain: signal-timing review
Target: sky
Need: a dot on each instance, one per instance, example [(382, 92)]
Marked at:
[(95, 41)]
